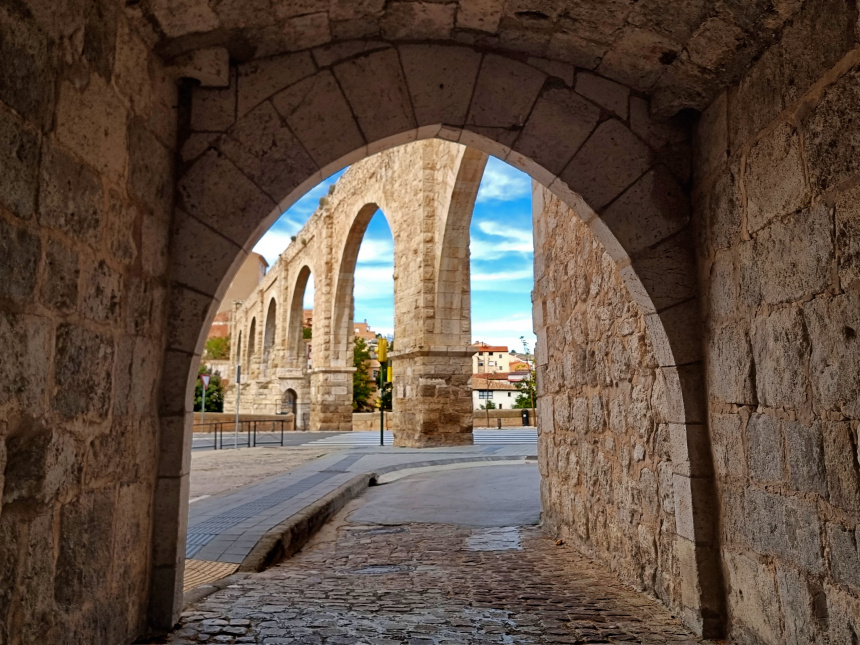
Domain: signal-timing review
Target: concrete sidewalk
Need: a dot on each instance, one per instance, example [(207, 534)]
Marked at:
[(251, 527)]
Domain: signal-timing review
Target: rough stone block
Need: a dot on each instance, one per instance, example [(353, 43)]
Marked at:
[(774, 178), (481, 15), (764, 437), (610, 161), (844, 555), (150, 168), (92, 122), (212, 109), (82, 374), (843, 615), (71, 198), (25, 365), (727, 445), (833, 134), (267, 152), (635, 58), (558, 125), (20, 253), (39, 463), (130, 72), (784, 526), (667, 271), (86, 528), (711, 138), (753, 599), (651, 210), (757, 98), (833, 325), (101, 297), (780, 349), (841, 457), (725, 209), (798, 600), (154, 241), (442, 92), (179, 19), (60, 292), (805, 457), (24, 50), (417, 21), (260, 79), (376, 91), (608, 94), (795, 256), (214, 186), (505, 93), (121, 227), (848, 236), (19, 154), (827, 23)]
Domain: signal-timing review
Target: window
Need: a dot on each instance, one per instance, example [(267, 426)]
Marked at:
[(509, 395), (484, 394), (500, 406)]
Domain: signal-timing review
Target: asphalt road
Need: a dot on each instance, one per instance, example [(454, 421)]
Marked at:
[(478, 496)]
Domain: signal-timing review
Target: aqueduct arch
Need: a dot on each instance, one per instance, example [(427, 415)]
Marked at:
[(86, 122)]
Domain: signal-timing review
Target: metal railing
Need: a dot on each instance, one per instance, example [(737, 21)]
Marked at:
[(251, 433)]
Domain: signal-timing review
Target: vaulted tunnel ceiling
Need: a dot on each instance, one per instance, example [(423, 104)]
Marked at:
[(680, 52)]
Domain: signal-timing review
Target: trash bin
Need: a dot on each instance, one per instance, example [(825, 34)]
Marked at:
[(525, 414), (500, 423)]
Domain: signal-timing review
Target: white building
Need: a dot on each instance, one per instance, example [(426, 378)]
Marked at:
[(501, 392), (491, 359)]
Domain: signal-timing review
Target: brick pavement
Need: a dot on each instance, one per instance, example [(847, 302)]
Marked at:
[(430, 584)]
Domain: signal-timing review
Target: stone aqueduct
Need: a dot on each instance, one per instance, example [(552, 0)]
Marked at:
[(702, 443), (427, 191)]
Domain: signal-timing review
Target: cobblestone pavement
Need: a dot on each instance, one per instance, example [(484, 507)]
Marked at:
[(430, 584)]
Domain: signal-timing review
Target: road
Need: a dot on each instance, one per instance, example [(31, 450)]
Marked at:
[(201, 441)]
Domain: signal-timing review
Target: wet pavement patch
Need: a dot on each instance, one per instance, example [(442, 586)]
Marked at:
[(503, 538)]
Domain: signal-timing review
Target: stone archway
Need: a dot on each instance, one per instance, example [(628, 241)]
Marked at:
[(614, 166), (269, 332)]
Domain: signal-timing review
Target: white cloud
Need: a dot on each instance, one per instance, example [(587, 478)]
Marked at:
[(495, 229), (376, 251), (272, 244), (504, 331), (502, 182), (498, 279), (374, 283), (491, 250)]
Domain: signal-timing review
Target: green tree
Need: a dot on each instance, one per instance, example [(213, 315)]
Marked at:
[(362, 384), (489, 406), (526, 397), (307, 332), (214, 393), (218, 349)]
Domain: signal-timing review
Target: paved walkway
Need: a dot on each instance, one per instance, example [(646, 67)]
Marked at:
[(225, 528), (430, 584)]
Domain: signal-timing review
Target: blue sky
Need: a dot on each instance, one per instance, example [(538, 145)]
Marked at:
[(501, 255)]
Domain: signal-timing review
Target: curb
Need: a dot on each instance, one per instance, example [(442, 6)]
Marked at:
[(285, 539)]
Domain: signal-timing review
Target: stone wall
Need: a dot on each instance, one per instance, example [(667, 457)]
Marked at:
[(606, 473), (777, 169), (87, 126)]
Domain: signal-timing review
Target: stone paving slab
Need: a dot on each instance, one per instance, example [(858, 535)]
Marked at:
[(431, 584)]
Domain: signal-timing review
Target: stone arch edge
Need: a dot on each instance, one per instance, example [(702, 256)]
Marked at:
[(507, 141)]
